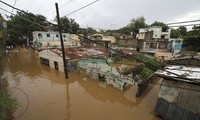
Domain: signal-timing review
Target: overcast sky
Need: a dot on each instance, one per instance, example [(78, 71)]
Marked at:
[(112, 14)]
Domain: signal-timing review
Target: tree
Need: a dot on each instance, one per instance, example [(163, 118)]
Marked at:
[(69, 25), (91, 31), (174, 33), (125, 30), (192, 38), (137, 23), (161, 24), (2, 38), (156, 23), (20, 27), (182, 30)]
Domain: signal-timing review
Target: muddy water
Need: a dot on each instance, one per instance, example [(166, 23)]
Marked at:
[(52, 97)]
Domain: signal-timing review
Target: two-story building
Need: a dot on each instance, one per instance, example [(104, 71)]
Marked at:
[(52, 39), (155, 32), (154, 39)]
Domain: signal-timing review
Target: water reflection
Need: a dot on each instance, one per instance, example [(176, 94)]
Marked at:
[(52, 97)]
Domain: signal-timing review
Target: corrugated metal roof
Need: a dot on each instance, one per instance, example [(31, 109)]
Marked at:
[(183, 73), (80, 52)]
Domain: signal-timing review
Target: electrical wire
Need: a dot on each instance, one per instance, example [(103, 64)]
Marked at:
[(14, 4), (65, 4), (81, 8), (85, 38), (60, 7), (183, 22), (183, 25)]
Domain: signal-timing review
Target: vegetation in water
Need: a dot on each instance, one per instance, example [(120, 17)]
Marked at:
[(151, 65), (6, 103), (146, 73)]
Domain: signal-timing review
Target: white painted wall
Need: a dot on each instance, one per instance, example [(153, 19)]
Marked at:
[(53, 36), (157, 32), (52, 39), (48, 54)]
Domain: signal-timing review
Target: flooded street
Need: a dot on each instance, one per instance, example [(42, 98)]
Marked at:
[(52, 97)]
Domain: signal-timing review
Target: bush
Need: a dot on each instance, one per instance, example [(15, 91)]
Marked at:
[(151, 62), (146, 72), (6, 103)]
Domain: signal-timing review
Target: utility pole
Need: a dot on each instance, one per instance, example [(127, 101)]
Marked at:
[(61, 41)]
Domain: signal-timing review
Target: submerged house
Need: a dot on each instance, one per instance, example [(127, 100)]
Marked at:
[(53, 57), (179, 94), (116, 74)]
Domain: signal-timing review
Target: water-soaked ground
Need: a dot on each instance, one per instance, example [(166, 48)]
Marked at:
[(52, 97)]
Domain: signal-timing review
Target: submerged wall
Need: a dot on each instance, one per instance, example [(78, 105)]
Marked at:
[(178, 100)]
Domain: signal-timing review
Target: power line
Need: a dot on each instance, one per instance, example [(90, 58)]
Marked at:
[(183, 22), (60, 7), (81, 8), (184, 25), (65, 4), (14, 4)]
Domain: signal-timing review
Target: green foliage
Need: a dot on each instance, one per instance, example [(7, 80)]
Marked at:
[(161, 24), (192, 38), (137, 23), (87, 31), (180, 32), (69, 24), (125, 30), (174, 33), (20, 29), (133, 26), (6, 102), (156, 23), (146, 72), (151, 62)]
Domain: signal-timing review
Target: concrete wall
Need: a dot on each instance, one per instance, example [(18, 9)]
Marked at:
[(157, 32), (110, 38), (126, 43), (176, 44), (41, 38), (94, 67), (51, 56), (49, 36)]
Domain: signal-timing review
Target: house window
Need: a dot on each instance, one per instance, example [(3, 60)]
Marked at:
[(48, 35), (39, 35)]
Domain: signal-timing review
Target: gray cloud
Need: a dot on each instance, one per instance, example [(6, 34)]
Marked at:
[(115, 13)]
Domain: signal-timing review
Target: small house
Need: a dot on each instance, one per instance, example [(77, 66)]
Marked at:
[(179, 97)]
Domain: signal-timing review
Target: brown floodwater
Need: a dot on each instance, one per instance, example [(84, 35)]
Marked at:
[(51, 97)]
